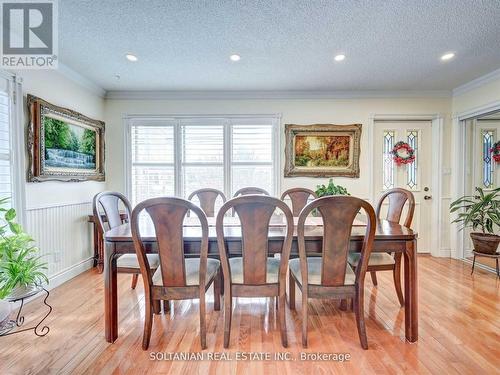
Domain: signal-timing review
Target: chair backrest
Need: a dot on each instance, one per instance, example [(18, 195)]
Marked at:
[(207, 198), (299, 198), (397, 199), (338, 214), (250, 190), (109, 202), (255, 212), (167, 215)]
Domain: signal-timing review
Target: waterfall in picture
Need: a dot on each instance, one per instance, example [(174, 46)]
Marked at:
[(68, 159)]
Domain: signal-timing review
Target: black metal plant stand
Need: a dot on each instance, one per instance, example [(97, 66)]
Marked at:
[(39, 329)]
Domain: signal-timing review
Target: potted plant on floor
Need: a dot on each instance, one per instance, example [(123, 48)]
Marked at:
[(21, 268), (481, 211)]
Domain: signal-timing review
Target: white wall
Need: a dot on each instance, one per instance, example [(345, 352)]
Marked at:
[(56, 211), (478, 96), (337, 111), (304, 111)]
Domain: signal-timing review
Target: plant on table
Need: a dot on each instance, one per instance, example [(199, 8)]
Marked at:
[(330, 189), (480, 212)]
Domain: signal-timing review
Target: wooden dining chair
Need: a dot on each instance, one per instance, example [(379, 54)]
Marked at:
[(299, 197), (250, 190), (207, 198), (254, 274), (330, 275), (106, 207), (386, 261), (177, 277)]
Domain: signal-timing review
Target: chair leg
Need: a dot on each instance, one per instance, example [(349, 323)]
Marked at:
[(228, 311), (282, 319), (135, 277), (473, 264), (498, 269), (396, 274), (373, 274), (343, 304), (203, 325), (156, 306), (291, 291), (148, 323), (217, 290), (304, 316), (359, 310), (166, 306)]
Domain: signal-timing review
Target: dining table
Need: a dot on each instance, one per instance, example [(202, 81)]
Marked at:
[(390, 237)]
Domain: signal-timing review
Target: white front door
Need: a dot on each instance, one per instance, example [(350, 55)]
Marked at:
[(415, 177)]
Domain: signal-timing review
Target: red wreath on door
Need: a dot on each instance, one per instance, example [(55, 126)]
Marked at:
[(495, 150), (403, 153)]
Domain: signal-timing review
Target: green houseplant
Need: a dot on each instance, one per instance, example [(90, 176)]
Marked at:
[(330, 189), (20, 265), (480, 212)]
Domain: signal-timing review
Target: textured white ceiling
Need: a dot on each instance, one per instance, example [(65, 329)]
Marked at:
[(284, 45)]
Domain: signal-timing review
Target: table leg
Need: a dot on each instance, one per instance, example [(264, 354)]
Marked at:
[(96, 246), (411, 291), (100, 252), (110, 294)]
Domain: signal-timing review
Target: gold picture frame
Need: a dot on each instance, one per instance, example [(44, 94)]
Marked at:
[(322, 150), (63, 145)]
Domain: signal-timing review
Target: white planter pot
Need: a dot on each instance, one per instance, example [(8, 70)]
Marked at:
[(5, 309)]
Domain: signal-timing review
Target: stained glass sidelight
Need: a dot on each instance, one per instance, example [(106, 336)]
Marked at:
[(487, 141), (412, 176), (388, 162)]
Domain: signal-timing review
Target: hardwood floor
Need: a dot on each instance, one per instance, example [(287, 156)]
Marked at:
[(459, 331)]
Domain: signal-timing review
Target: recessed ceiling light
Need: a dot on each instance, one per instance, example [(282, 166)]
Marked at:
[(131, 57), (235, 57), (339, 57), (447, 56)]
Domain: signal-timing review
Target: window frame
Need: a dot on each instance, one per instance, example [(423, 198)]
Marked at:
[(273, 120), (16, 140)]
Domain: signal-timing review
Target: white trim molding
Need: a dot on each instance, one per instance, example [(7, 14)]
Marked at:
[(81, 80), (478, 82), (70, 272), (292, 94)]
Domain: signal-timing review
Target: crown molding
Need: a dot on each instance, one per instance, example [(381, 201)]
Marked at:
[(81, 80), (240, 95), (476, 83)]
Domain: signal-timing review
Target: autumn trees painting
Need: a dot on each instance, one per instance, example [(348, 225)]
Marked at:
[(322, 150)]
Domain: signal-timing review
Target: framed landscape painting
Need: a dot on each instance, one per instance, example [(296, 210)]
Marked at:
[(322, 150), (63, 145)]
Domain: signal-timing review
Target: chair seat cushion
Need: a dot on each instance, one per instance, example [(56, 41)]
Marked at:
[(314, 265), (192, 268), (130, 261), (376, 259), (236, 266)]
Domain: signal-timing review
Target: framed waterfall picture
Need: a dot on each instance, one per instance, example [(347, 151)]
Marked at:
[(322, 150), (63, 145)]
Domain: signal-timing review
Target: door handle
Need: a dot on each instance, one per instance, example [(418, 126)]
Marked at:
[(427, 197)]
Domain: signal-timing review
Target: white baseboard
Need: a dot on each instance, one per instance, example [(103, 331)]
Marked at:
[(443, 253), (69, 273)]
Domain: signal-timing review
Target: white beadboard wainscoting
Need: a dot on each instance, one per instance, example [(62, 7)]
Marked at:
[(64, 237)]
